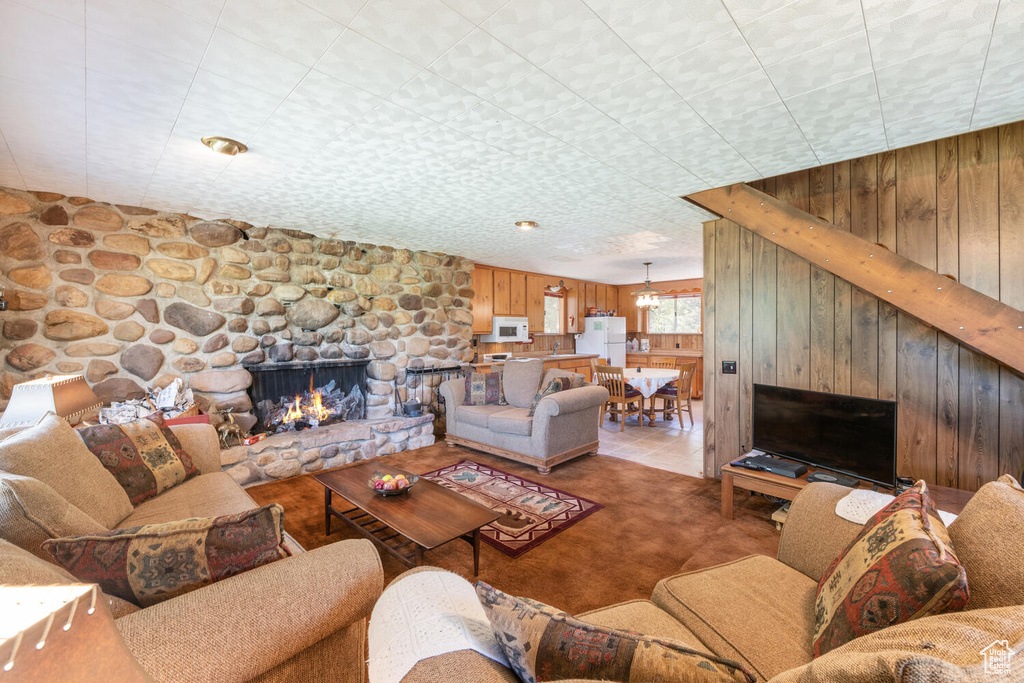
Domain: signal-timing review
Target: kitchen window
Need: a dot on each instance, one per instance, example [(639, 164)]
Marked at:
[(675, 315), (553, 306)]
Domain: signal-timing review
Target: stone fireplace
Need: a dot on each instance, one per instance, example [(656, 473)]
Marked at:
[(283, 394)]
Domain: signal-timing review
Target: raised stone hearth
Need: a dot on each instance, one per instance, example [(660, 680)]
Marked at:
[(293, 453)]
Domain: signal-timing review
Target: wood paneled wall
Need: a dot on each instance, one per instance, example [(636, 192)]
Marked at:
[(955, 206)]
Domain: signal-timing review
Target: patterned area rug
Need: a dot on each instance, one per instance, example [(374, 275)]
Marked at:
[(530, 512)]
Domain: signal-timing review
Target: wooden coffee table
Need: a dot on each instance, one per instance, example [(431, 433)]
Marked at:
[(427, 516)]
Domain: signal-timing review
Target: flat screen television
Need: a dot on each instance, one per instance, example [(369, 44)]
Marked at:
[(844, 434)]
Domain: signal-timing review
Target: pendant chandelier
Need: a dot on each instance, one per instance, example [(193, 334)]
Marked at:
[(648, 297)]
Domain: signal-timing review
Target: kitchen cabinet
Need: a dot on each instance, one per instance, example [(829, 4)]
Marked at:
[(572, 308), (589, 296), (502, 295), (483, 300), (517, 295), (628, 309), (535, 303), (600, 296), (612, 298)]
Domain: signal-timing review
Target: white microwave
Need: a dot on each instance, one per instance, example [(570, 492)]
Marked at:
[(505, 329)]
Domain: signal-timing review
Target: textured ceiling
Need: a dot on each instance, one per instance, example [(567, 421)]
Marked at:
[(436, 125)]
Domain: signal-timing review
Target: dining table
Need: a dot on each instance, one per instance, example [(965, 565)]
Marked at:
[(648, 380)]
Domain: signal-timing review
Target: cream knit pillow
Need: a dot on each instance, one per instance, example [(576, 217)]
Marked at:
[(53, 453), (32, 512)]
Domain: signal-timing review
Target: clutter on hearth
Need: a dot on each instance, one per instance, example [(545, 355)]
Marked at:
[(172, 401)]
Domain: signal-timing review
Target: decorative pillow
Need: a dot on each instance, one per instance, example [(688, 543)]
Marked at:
[(152, 563), (484, 389), (544, 644), (899, 567), (554, 386), (51, 452), (144, 456), (988, 537), (32, 512)]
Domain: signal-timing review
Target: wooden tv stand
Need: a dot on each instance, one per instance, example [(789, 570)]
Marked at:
[(949, 499)]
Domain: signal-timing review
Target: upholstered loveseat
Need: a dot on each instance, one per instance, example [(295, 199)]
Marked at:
[(300, 618), (564, 425), (759, 611)]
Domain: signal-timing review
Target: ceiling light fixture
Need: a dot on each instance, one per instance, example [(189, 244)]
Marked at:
[(225, 145), (648, 297), (526, 226)]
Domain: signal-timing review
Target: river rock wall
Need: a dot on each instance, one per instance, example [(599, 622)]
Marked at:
[(132, 297)]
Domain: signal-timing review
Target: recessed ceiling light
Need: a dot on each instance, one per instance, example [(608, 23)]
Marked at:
[(225, 145), (526, 226)]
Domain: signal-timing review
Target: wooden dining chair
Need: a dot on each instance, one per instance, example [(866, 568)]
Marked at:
[(662, 363), (622, 400), (677, 395)]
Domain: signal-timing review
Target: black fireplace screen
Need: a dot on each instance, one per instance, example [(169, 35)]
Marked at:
[(274, 387)]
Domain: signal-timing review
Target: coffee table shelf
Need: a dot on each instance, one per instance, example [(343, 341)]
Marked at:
[(404, 526)]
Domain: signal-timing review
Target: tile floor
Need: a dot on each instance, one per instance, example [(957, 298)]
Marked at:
[(663, 445)]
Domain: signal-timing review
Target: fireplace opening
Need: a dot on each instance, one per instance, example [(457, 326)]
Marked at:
[(297, 396)]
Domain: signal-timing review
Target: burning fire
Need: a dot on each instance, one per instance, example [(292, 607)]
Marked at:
[(314, 412)]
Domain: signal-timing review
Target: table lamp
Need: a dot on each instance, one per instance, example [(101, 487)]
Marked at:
[(61, 633), (66, 395)]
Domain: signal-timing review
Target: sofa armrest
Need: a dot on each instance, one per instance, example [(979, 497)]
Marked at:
[(572, 401), (814, 535), (201, 442), (239, 628), (454, 393)]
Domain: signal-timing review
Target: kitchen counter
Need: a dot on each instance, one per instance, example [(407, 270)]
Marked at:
[(548, 358)]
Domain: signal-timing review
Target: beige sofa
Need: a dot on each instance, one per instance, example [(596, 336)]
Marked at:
[(564, 426), (302, 618), (759, 611)]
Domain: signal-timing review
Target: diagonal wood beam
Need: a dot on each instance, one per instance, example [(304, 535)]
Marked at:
[(978, 321)]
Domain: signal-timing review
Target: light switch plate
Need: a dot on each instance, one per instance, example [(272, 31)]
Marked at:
[(728, 367)]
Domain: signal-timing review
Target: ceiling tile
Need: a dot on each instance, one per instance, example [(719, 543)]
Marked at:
[(836, 101), (251, 64), (205, 10), (476, 10), (665, 28), (710, 64), (317, 90), (136, 65), (68, 10), (576, 122), (937, 95), (540, 30), (341, 11), (220, 106), (801, 26), (823, 66), (632, 99), (745, 11), (666, 123), (434, 97), (960, 60), (939, 27), (612, 11), (357, 60), (535, 97), (419, 31), (481, 64), (287, 27), (595, 64), (736, 97), (152, 26)]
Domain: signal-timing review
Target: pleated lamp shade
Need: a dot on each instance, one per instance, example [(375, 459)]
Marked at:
[(66, 395)]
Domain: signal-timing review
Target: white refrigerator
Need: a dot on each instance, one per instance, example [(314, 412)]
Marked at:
[(606, 337)]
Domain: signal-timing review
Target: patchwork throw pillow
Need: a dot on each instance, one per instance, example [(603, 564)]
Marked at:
[(899, 567), (152, 563), (554, 386), (144, 456), (484, 389), (544, 644)]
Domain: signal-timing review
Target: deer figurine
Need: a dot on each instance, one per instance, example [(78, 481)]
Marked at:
[(228, 429)]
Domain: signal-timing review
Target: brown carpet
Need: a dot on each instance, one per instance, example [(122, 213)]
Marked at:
[(654, 524)]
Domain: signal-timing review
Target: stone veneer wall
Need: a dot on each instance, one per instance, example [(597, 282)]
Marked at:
[(134, 297)]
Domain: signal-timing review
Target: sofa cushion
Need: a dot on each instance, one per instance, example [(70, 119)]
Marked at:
[(542, 643), (556, 385), (144, 456), (32, 512), (152, 563), (521, 380), (484, 388), (899, 567), (716, 604), (511, 421), (643, 616), (988, 537), (51, 452), (945, 648), (208, 495), (478, 415)]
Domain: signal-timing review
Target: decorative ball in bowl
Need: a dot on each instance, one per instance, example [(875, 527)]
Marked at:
[(391, 485)]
